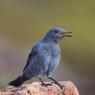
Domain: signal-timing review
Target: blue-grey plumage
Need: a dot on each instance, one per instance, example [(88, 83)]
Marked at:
[(45, 60), (44, 57)]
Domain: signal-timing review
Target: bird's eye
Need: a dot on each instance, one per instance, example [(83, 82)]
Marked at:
[(56, 31)]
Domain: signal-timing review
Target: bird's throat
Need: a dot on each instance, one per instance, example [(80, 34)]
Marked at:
[(50, 41)]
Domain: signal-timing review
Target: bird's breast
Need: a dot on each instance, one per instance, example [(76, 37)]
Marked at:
[(55, 51), (54, 60)]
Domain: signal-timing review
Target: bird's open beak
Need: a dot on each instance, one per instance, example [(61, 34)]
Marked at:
[(66, 34)]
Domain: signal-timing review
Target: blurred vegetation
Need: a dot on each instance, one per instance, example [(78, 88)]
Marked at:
[(24, 22)]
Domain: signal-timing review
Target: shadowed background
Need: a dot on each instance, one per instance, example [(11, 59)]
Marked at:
[(24, 22)]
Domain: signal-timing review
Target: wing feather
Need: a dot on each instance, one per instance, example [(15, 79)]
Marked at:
[(32, 54)]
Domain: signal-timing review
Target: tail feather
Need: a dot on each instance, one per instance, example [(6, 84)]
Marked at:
[(18, 81)]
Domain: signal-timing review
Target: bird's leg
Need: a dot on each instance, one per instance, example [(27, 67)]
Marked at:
[(44, 84), (56, 82)]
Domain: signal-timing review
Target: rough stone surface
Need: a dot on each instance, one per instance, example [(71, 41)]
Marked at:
[(37, 89)]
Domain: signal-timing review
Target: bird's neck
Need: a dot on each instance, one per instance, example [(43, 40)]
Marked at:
[(50, 41)]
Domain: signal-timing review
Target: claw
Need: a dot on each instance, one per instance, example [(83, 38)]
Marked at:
[(61, 86), (45, 85)]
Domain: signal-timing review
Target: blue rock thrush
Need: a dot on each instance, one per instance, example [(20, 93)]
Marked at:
[(44, 58)]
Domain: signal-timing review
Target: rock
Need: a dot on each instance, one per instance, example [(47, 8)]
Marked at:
[(37, 89)]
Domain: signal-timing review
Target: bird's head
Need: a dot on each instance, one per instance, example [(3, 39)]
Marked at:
[(56, 34)]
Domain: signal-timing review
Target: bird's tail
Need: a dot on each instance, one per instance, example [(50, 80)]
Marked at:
[(18, 81)]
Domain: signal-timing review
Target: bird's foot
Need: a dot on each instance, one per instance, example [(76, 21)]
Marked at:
[(57, 83), (46, 84), (61, 86)]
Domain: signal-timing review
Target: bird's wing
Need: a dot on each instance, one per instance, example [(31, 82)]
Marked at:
[(32, 54)]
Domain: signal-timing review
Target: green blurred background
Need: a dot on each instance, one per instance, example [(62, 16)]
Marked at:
[(25, 22)]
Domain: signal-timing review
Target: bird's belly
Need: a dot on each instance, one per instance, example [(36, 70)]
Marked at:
[(55, 58), (53, 65), (55, 62)]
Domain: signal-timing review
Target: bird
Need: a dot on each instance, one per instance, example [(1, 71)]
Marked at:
[(44, 58)]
